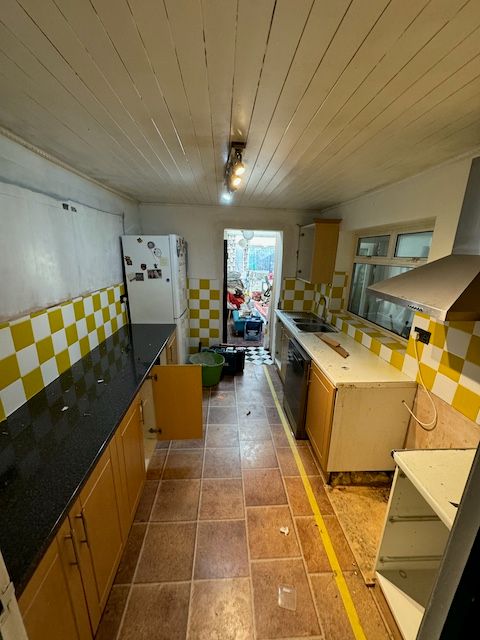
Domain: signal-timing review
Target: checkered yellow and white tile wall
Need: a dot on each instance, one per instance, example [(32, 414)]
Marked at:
[(36, 349), (204, 312)]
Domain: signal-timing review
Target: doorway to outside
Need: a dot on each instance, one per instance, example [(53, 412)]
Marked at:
[(252, 277)]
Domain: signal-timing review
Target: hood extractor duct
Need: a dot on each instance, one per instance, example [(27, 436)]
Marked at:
[(449, 288)]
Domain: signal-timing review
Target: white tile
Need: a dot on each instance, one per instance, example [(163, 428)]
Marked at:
[(41, 327), (82, 328), (74, 352), (457, 342), (351, 330), (204, 294), (366, 340), (49, 371), (338, 280), (470, 377), (194, 303), (13, 397), (113, 310), (88, 305), (7, 348), (120, 320), (98, 318), (308, 294), (68, 315), (431, 356), (204, 314), (478, 417), (116, 293), (214, 304), (422, 323), (335, 304), (289, 294), (444, 387), (103, 299), (385, 353), (27, 359), (476, 329), (410, 367), (204, 333), (93, 340), (194, 283), (108, 329), (59, 340)]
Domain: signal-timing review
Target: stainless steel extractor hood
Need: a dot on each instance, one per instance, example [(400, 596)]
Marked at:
[(448, 288)]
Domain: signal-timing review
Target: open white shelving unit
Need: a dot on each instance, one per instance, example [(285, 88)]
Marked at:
[(421, 510)]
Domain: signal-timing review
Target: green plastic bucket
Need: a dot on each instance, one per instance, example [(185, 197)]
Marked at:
[(212, 365)]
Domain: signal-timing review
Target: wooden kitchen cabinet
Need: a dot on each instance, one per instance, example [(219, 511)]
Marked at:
[(317, 251), (321, 400), (53, 605)]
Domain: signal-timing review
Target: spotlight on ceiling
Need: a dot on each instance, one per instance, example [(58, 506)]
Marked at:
[(234, 169), (226, 196)]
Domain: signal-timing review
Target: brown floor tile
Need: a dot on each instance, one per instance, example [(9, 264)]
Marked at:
[(263, 487), (219, 435), (222, 415), (112, 614), (250, 411), (167, 554), (271, 620), (222, 463), (157, 611), (264, 536), (146, 501), (162, 444), (272, 415), (182, 465), (279, 437), (289, 466), (155, 466), (298, 498), (227, 383), (313, 549), (221, 499), (188, 444), (222, 398), (128, 563), (252, 395), (176, 500), (258, 455), (332, 612), (258, 430), (221, 610), (221, 550)]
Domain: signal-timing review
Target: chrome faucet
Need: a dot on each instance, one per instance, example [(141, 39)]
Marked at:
[(322, 298)]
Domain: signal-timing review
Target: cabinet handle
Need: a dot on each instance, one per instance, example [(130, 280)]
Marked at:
[(154, 377), (84, 524), (152, 430), (142, 420), (69, 536)]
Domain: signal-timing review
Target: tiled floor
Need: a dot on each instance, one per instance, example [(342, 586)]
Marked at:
[(206, 554)]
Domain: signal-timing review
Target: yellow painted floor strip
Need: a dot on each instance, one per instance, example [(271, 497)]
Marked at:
[(322, 529)]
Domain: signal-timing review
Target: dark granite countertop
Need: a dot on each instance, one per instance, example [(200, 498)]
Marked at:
[(47, 452)]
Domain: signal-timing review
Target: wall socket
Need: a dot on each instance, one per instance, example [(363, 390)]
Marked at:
[(423, 335)]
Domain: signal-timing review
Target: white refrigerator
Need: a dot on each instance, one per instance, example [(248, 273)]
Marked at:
[(156, 277), (11, 624)]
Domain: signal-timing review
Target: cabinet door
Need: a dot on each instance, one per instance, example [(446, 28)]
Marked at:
[(306, 242), (177, 394), (96, 522), (321, 398), (324, 251), (171, 349), (53, 604)]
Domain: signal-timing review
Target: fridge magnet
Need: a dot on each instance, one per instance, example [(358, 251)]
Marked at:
[(131, 276), (150, 244), (157, 252), (139, 277), (143, 266), (139, 240), (154, 274), (128, 260)]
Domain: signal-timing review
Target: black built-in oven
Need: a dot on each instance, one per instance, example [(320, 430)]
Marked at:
[(296, 388)]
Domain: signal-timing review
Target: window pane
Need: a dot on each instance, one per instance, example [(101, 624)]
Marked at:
[(389, 315), (373, 246), (414, 245)]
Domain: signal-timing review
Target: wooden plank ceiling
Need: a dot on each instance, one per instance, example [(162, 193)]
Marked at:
[(333, 97)]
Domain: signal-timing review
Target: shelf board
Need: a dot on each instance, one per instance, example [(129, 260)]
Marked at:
[(439, 475), (406, 597)]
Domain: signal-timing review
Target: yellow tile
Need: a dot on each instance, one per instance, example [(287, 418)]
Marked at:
[(79, 309), (96, 302), (124, 317), (9, 371), (358, 335), (63, 361), (45, 349), (462, 325), (118, 308), (111, 296), (337, 292), (114, 325), (307, 305), (439, 334), (467, 402), (473, 351), (2, 412), (428, 375), (451, 366), (55, 320), (214, 314), (308, 286), (72, 335), (106, 314), (395, 346), (214, 294), (194, 333), (375, 346), (33, 383), (289, 284), (84, 346), (298, 295), (101, 334), (194, 294), (90, 323), (204, 324), (288, 305), (397, 359), (204, 304), (204, 284), (194, 313), (122, 288), (214, 333), (22, 334)]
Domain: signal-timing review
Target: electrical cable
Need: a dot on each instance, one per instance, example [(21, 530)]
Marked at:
[(426, 426)]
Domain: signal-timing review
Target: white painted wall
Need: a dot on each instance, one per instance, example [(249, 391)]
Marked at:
[(436, 193), (47, 254), (203, 228)]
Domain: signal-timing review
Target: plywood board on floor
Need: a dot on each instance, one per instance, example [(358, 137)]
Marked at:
[(361, 512)]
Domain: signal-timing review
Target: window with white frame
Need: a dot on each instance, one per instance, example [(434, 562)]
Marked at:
[(381, 256)]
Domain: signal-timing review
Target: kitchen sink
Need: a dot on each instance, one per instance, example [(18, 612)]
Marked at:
[(313, 327)]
